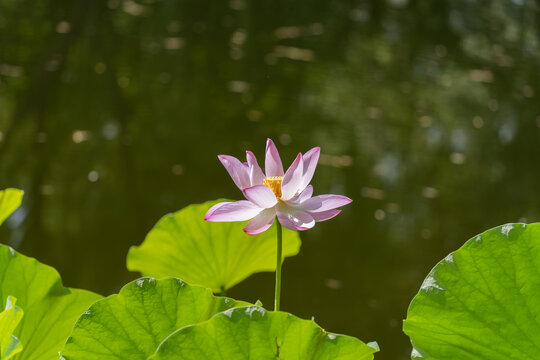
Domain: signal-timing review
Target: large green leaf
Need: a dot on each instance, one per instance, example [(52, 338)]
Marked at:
[(50, 309), (214, 255), (132, 324), (254, 333), (10, 199), (9, 319), (482, 301)]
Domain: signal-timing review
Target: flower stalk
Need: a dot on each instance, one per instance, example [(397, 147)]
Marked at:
[(279, 260)]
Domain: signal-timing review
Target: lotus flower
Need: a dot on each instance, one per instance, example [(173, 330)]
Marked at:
[(285, 195)]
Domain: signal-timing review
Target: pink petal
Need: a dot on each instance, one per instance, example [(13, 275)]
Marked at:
[(324, 215), (310, 163), (294, 219), (238, 171), (256, 175), (304, 195), (293, 179), (324, 202), (261, 196), (232, 211), (261, 222), (272, 164)]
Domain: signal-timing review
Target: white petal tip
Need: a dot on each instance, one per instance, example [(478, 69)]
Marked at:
[(252, 232)]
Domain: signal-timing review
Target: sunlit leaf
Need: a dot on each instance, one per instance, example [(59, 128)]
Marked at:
[(9, 319), (214, 255), (482, 301), (10, 199), (13, 347), (50, 309), (254, 333), (132, 324)]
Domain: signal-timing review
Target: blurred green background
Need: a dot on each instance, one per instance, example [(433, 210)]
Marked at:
[(112, 114)]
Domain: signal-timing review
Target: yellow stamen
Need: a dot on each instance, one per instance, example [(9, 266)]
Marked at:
[(274, 183)]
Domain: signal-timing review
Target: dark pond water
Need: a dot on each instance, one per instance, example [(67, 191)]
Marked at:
[(112, 114)]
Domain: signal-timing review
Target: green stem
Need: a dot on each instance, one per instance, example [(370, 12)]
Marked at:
[(278, 267), (222, 291)]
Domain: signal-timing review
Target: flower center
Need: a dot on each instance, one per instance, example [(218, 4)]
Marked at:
[(274, 183)]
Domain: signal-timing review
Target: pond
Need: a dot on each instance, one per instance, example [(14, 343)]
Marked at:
[(112, 114)]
